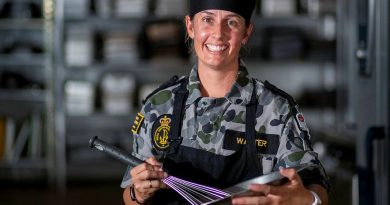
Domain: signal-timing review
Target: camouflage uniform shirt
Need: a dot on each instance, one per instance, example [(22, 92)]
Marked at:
[(207, 120)]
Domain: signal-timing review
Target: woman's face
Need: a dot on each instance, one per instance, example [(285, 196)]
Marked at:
[(218, 36)]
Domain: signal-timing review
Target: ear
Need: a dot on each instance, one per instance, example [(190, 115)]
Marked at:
[(247, 34), (190, 27)]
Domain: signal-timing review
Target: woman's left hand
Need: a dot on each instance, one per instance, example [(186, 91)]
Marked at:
[(292, 192)]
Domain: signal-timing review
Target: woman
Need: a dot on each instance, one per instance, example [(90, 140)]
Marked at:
[(219, 126)]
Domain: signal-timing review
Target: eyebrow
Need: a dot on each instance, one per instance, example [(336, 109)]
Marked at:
[(213, 14)]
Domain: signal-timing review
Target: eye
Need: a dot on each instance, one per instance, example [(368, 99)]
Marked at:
[(207, 19), (233, 23)]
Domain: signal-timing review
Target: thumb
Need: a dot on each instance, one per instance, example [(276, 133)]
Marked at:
[(153, 161), (291, 174)]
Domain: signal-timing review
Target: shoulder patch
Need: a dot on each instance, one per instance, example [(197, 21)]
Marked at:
[(301, 121), (139, 119), (160, 97), (172, 81), (298, 116), (160, 130)]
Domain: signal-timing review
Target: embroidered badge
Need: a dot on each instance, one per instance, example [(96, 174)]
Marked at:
[(300, 117), (139, 119), (160, 131), (301, 121)]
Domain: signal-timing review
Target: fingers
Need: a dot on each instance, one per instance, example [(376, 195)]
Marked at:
[(140, 168), (147, 177), (151, 174), (264, 189), (156, 166), (152, 169), (251, 200), (153, 161), (157, 184), (145, 189), (260, 189), (148, 186), (291, 174), (275, 194)]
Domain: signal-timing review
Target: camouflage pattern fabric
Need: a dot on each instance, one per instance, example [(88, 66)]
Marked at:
[(207, 119)]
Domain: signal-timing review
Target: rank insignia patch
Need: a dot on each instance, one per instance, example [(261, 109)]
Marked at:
[(160, 131), (139, 119)]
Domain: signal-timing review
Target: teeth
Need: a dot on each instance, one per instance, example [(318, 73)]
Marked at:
[(215, 47)]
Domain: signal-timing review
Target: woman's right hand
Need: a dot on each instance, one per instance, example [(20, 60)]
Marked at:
[(146, 178)]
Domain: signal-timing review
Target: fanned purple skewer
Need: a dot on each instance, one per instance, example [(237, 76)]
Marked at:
[(193, 192)]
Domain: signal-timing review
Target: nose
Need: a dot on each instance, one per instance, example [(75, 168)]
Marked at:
[(219, 30)]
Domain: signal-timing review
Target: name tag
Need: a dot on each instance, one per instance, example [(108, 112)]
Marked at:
[(265, 143)]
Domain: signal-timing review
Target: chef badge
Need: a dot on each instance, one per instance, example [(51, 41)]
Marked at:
[(160, 131)]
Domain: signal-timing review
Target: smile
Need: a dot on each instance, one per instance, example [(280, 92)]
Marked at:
[(216, 48)]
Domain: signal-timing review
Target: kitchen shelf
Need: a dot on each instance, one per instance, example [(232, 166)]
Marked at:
[(21, 103), (99, 121), (25, 60), (22, 59), (25, 164), (160, 70), (300, 21), (23, 95), (106, 169), (21, 24), (128, 24)]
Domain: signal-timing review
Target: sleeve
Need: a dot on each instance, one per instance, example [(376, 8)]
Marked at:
[(142, 147), (295, 149)]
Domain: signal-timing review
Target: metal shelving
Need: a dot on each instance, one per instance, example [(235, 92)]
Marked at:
[(73, 131), (21, 24), (97, 121), (302, 21), (164, 69), (24, 93), (22, 60)]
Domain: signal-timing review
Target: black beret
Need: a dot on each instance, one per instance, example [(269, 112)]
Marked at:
[(243, 8)]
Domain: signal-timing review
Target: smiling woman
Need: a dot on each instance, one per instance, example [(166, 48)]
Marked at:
[(218, 36), (207, 127)]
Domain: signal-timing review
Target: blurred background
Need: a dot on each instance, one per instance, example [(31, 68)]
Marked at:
[(74, 69)]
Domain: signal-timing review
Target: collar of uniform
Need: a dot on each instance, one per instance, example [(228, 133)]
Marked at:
[(193, 86), (240, 92)]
